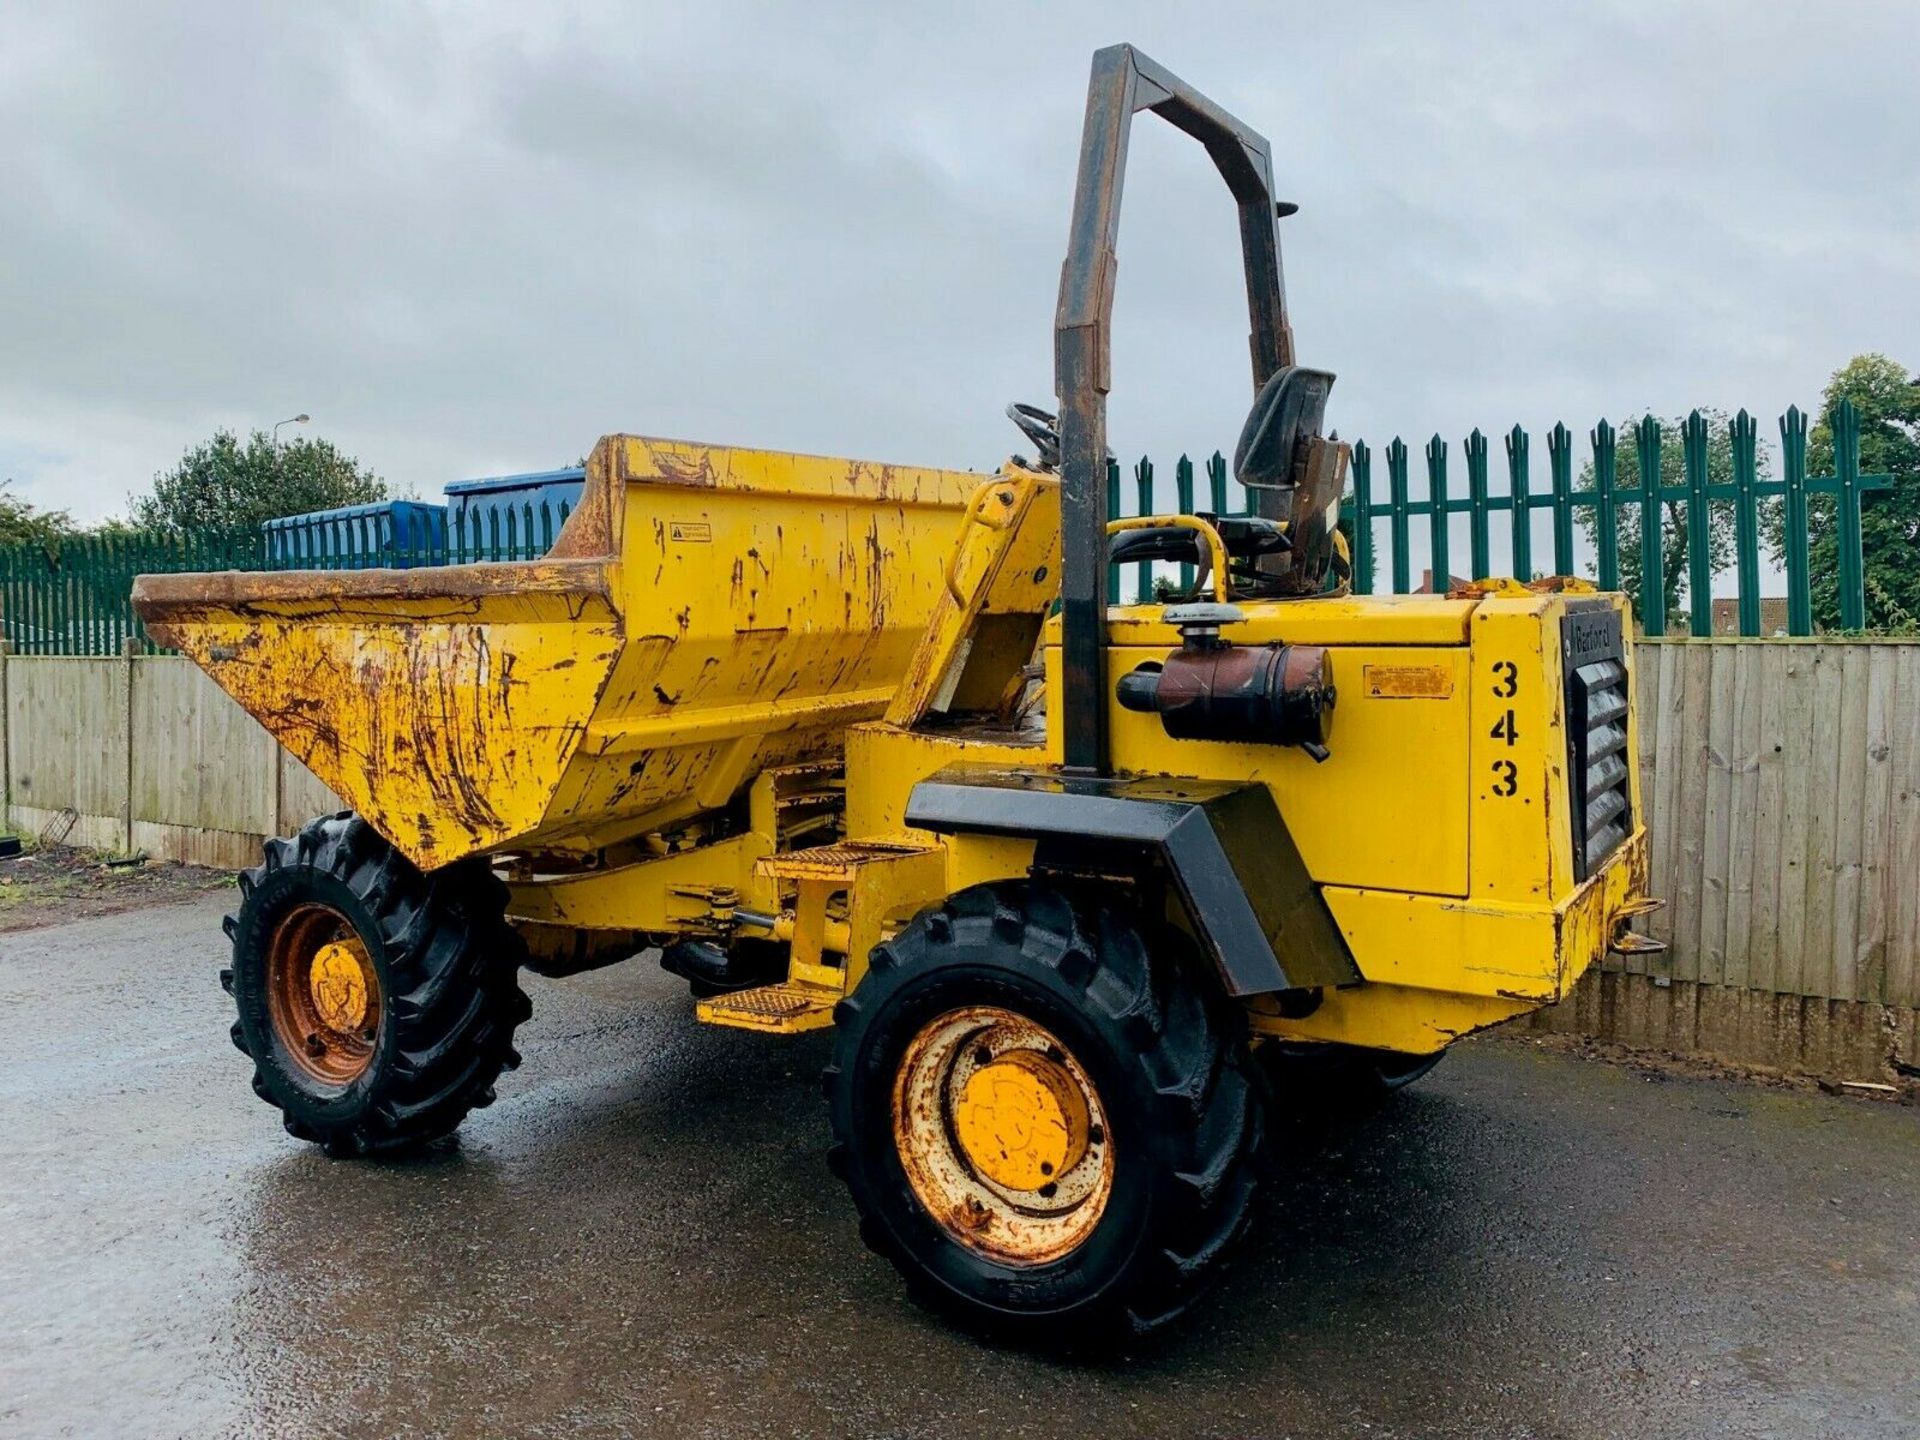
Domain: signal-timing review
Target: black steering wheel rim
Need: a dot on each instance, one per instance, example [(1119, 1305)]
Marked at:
[(1042, 427)]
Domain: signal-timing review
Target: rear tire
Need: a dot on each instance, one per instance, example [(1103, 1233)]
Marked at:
[(1169, 1155), (377, 1003)]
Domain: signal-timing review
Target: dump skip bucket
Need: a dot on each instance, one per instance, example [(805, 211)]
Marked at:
[(704, 613)]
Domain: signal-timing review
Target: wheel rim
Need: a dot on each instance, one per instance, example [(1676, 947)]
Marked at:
[(323, 994), (1002, 1135)]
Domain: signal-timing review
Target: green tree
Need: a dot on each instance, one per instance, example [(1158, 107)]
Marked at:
[(22, 523), (223, 484), (1673, 527), (1889, 406)]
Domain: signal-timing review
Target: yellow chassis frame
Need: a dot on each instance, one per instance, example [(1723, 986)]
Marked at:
[(1505, 931)]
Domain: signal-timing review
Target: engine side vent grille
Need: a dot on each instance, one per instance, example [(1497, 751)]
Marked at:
[(1598, 765)]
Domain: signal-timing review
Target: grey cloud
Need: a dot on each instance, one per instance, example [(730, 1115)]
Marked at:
[(476, 237)]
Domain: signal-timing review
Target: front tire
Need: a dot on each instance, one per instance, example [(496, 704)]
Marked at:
[(1046, 1129), (377, 1003)]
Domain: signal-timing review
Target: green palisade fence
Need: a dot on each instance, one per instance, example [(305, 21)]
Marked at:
[(1495, 549), (72, 599)]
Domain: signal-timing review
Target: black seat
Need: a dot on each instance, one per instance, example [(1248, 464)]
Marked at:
[(1289, 408)]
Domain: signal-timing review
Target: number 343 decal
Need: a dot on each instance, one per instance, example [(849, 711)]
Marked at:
[(1506, 686)]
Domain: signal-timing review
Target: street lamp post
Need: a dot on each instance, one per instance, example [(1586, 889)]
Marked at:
[(292, 420)]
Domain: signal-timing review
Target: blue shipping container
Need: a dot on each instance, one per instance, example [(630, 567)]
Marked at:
[(483, 514), (395, 534)]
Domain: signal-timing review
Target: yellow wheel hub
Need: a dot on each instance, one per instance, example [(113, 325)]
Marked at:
[(1021, 1121), (323, 994), (1002, 1135), (338, 982)]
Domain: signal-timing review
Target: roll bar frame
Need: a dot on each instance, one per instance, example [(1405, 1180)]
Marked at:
[(1123, 83)]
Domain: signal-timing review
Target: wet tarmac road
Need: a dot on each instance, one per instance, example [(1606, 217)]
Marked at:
[(641, 1238)]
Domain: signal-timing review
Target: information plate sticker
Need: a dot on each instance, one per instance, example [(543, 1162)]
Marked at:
[(1408, 682)]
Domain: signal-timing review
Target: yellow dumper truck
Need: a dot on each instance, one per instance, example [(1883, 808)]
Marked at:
[(871, 747)]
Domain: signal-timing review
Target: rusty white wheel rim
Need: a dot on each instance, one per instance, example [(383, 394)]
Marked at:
[(1002, 1135)]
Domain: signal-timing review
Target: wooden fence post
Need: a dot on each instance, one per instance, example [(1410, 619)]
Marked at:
[(127, 653)]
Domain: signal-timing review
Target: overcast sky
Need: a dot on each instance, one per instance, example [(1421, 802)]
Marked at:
[(471, 239)]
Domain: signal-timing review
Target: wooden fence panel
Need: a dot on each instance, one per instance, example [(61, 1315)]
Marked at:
[(1819, 841), (1687, 816), (200, 762), (302, 795), (1742, 805), (150, 755), (1666, 722), (1794, 742), (1720, 784), (1901, 879), (1781, 783), (67, 747), (1875, 835)]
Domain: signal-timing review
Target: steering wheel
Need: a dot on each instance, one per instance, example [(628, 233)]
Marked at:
[(1042, 428)]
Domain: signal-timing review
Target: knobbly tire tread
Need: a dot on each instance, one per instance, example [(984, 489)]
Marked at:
[(448, 964), (1188, 1072)]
